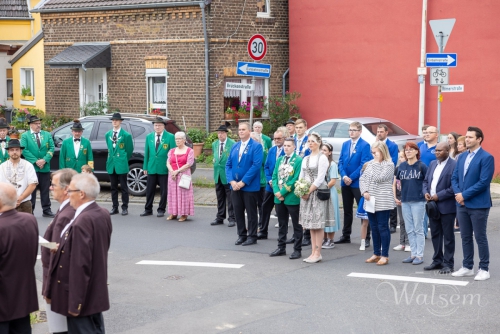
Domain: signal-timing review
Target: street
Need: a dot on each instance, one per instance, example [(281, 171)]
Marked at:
[(259, 294)]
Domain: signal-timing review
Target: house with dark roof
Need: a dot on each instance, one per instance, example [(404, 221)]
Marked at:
[(172, 57)]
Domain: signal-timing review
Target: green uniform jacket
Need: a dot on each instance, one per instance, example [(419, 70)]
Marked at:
[(32, 152), (289, 184), (155, 162), (4, 156), (268, 143), (119, 155), (220, 163), (67, 157), (263, 179)]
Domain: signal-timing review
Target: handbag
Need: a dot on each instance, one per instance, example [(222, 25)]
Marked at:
[(185, 181), (323, 194)]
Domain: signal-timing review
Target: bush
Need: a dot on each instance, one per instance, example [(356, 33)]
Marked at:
[(211, 138), (281, 109), (197, 135)]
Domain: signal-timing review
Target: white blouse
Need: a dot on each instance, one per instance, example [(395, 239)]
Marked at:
[(313, 162)]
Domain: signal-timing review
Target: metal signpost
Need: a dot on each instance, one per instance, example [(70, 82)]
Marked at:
[(257, 49)]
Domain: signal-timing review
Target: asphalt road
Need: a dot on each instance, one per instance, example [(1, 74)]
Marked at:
[(278, 295)]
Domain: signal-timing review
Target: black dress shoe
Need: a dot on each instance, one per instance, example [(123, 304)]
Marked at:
[(231, 224), (433, 266), (114, 211), (295, 255), (261, 236), (146, 213), (160, 214), (278, 252), (249, 242), (124, 212), (240, 240), (216, 222), (48, 213), (393, 230), (344, 240), (367, 243), (290, 241), (446, 270), (306, 242)]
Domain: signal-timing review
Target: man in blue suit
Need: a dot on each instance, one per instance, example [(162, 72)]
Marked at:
[(437, 188), (243, 174), (471, 183), (268, 202), (353, 155)]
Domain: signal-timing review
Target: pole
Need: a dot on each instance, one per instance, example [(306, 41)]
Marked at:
[(441, 36), (421, 100), (251, 102)]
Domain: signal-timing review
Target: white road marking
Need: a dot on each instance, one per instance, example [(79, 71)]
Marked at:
[(38, 257), (409, 279), (192, 264)]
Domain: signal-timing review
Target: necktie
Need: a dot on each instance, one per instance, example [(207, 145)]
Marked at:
[(352, 147), (2, 140), (157, 141), (76, 140), (38, 140), (114, 139), (278, 152), (286, 159), (221, 149)]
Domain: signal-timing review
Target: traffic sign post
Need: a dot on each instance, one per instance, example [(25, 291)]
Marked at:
[(441, 60), (439, 76), (239, 86), (257, 49), (253, 69)]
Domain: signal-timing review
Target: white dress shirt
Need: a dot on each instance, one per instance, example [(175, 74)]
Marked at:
[(242, 148), (77, 213), (437, 173), (76, 146)]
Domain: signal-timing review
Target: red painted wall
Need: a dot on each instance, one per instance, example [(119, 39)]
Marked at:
[(360, 58)]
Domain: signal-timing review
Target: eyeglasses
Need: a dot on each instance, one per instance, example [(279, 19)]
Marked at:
[(278, 138), (353, 130), (72, 190)]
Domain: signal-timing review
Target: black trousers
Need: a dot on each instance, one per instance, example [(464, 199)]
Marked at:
[(152, 181), (122, 180), (16, 326), (246, 201), (260, 201), (442, 234), (394, 218), (43, 186), (223, 193), (267, 208), (350, 194), (91, 324), (284, 211)]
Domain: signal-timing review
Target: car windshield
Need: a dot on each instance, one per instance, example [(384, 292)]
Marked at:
[(394, 130)]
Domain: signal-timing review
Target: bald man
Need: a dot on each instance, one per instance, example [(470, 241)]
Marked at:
[(428, 148)]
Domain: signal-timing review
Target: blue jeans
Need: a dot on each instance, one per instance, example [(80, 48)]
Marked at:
[(413, 213), (474, 220), (381, 235), (426, 224)]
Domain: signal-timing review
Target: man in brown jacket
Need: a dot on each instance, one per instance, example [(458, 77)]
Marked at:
[(79, 270), (18, 249)]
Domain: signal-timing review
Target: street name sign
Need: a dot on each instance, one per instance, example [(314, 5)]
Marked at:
[(441, 60), (439, 76), (452, 89), (257, 47), (253, 69), (239, 86)]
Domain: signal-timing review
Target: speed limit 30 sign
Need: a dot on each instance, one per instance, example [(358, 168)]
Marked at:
[(257, 47)]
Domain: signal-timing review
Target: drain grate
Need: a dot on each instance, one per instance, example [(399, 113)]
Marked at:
[(174, 277)]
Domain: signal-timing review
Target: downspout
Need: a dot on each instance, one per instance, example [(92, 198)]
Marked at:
[(284, 82), (421, 99), (207, 73)]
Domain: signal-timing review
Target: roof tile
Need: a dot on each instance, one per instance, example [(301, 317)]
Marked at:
[(14, 8), (75, 4)]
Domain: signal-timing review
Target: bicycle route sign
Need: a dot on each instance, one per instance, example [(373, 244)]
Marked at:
[(257, 47), (441, 60), (439, 76)]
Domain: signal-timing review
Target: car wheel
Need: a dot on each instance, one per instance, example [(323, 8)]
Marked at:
[(136, 180)]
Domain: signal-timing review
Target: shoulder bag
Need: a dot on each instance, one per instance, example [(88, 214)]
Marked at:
[(185, 181)]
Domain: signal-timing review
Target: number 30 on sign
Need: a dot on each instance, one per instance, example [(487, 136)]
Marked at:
[(257, 47)]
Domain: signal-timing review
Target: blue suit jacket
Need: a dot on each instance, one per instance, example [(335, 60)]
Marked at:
[(248, 168), (350, 166), (475, 185), (393, 150), (444, 191), (269, 166)]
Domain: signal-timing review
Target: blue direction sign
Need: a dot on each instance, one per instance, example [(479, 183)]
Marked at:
[(441, 60), (253, 69)]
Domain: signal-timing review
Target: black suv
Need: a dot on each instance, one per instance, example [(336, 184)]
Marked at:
[(95, 127)]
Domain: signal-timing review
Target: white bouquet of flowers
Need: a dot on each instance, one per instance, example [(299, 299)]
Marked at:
[(284, 171), (301, 187)]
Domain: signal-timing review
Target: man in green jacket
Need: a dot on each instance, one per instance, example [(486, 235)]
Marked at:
[(221, 149), (286, 173), (39, 150), (4, 139), (156, 148), (120, 148), (76, 151)]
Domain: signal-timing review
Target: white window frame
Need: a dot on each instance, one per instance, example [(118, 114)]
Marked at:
[(9, 80), (82, 80), (267, 13), (246, 93), (152, 73), (31, 85)]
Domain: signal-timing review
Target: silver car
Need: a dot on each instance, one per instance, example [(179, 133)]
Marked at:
[(336, 131)]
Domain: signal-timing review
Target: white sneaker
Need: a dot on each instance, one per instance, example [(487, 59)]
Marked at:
[(362, 247), (482, 275), (464, 272), (277, 225), (399, 248), (407, 248)]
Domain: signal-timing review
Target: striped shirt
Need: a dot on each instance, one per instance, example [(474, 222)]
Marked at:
[(377, 181)]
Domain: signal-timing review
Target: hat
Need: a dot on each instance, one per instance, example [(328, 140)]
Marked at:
[(432, 210), (117, 116), (32, 118), (77, 126), (158, 120), (14, 143), (290, 121), (222, 128), (4, 124)]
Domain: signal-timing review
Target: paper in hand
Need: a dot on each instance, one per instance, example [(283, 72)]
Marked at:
[(370, 205), (45, 243)]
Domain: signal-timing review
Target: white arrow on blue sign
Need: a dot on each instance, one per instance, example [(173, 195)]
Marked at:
[(253, 69), (441, 60)]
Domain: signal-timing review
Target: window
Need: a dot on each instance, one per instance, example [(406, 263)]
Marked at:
[(65, 132), (10, 90), (323, 129), (394, 130), (157, 90), (263, 8), (138, 132), (103, 128), (342, 130), (27, 84), (233, 98)]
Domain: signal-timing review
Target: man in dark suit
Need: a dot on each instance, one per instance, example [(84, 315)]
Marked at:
[(243, 174), (78, 274), (18, 247), (354, 154), (437, 188), (471, 183)]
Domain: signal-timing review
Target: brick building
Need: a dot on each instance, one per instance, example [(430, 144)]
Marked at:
[(150, 54)]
